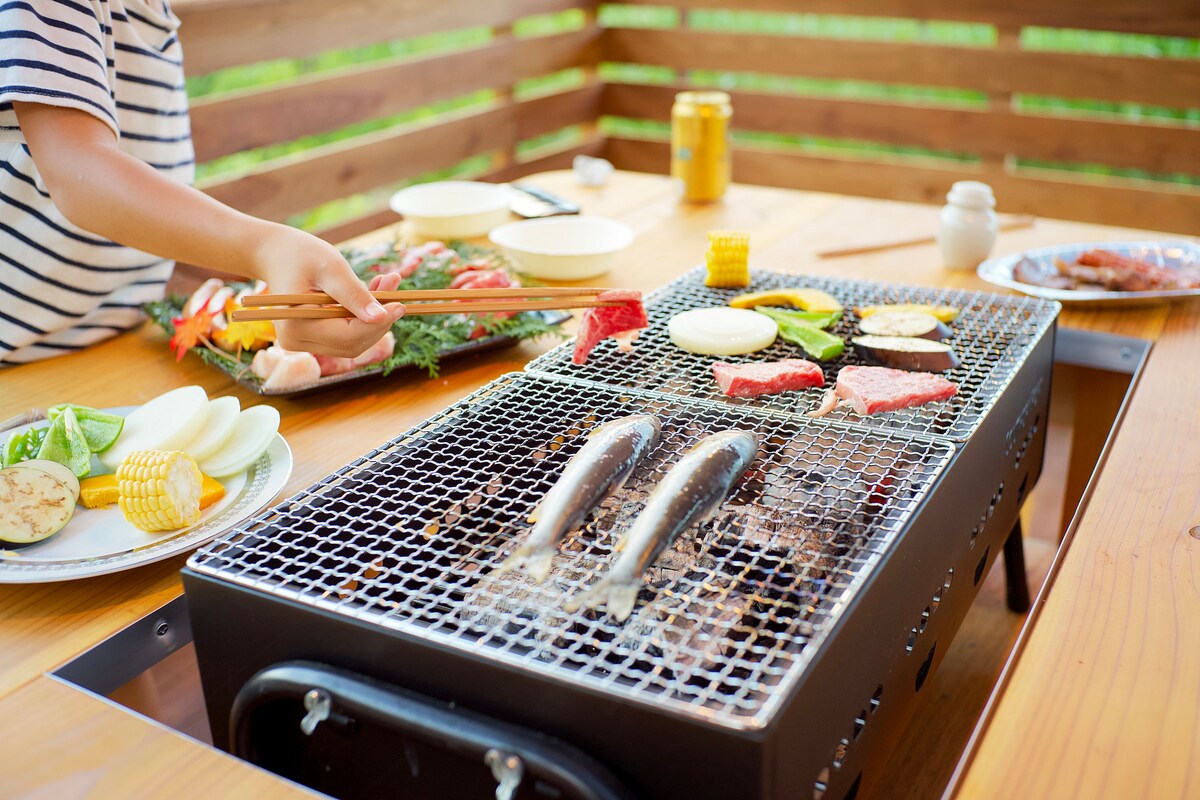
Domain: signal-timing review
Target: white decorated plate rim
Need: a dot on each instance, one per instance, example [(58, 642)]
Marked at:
[(262, 482)]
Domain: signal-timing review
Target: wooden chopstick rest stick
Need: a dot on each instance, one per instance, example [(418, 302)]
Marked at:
[(415, 310), (320, 298), (1008, 224)]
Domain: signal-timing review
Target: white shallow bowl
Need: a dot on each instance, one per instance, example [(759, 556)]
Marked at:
[(564, 248), (453, 209)]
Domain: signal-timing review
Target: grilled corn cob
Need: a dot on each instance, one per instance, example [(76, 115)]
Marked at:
[(159, 491), (727, 259)]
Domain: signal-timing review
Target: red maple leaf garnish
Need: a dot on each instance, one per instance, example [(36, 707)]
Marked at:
[(189, 331)]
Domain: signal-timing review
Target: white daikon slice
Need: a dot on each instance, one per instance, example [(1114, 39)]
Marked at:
[(222, 415), (252, 434), (168, 422), (722, 331)]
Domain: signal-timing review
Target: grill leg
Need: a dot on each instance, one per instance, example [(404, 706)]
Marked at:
[(1015, 579)]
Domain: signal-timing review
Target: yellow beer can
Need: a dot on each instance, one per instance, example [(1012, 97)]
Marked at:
[(700, 144)]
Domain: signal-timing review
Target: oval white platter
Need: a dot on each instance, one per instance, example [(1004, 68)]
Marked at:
[(1174, 255), (98, 541)]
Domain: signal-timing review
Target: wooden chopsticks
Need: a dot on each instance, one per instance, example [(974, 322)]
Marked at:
[(318, 305), (1007, 224)]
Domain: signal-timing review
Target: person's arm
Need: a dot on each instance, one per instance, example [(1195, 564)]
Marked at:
[(108, 192)]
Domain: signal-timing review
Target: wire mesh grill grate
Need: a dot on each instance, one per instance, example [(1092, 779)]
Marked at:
[(992, 336), (408, 537)]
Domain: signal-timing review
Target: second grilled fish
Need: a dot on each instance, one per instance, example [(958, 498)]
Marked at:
[(690, 492), (601, 465)]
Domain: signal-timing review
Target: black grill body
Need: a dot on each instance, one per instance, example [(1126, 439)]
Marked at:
[(381, 571)]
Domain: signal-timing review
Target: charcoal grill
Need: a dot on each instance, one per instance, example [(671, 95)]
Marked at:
[(774, 652)]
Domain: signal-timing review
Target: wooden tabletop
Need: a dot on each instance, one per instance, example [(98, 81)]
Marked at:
[(1104, 698)]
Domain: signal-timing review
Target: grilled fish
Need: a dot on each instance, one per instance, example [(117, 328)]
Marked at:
[(690, 492), (602, 465)]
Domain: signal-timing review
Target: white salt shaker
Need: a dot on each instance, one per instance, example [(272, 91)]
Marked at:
[(968, 225)]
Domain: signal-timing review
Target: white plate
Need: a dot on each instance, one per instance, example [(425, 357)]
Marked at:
[(1174, 255), (98, 541)]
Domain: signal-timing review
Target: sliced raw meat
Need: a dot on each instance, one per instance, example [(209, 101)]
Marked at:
[(871, 390), (767, 377), (601, 323), (482, 279), (333, 365)]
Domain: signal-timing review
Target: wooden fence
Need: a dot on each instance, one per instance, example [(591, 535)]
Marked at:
[(992, 141)]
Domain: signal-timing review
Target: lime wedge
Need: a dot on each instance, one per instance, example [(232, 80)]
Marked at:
[(66, 444), (99, 428)]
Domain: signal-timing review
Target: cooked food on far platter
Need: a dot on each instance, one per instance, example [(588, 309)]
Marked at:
[(1104, 270)]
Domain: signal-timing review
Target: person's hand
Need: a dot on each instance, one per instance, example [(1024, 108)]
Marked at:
[(292, 261)]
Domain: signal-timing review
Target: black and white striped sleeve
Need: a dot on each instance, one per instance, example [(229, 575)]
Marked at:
[(53, 52)]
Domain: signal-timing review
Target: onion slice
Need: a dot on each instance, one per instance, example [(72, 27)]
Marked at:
[(722, 331)]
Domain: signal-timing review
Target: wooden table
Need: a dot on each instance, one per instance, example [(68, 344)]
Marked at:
[(1103, 700)]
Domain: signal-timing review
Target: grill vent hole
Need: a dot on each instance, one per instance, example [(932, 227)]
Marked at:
[(912, 640), (925, 618), (923, 670), (982, 565), (860, 722), (1021, 489), (876, 697), (949, 578)]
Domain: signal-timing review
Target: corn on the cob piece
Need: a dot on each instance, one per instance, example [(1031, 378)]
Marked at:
[(727, 259), (159, 491)]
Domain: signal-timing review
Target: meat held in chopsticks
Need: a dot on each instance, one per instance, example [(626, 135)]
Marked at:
[(872, 390), (602, 465), (620, 322), (691, 492)]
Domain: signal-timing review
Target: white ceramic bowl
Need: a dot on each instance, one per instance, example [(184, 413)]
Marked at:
[(564, 248), (453, 209)]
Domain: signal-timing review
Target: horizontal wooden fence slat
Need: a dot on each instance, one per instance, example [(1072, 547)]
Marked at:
[(277, 190), (227, 124), (1163, 17), (1155, 209), (1167, 82), (550, 113), (338, 170), (1155, 148), (225, 33)]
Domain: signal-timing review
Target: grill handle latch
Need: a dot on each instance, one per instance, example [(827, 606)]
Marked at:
[(318, 703), (507, 769)]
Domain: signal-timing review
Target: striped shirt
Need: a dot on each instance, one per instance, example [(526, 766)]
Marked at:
[(61, 287)]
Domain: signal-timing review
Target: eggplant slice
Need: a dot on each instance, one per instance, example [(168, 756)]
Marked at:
[(906, 352), (914, 324)]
